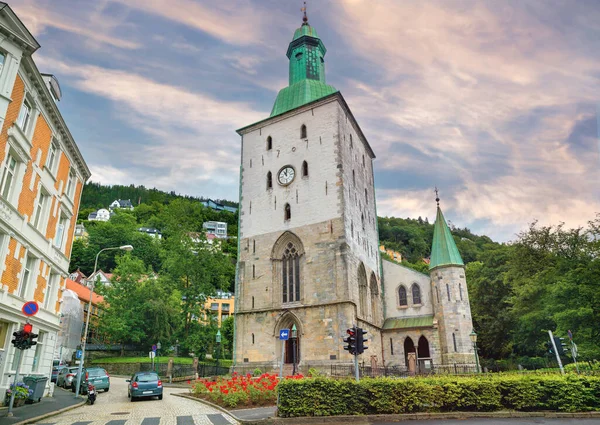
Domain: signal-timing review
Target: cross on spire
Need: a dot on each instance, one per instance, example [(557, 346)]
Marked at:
[(437, 198), (304, 18)]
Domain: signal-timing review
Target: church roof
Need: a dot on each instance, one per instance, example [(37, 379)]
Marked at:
[(443, 249), (305, 30), (408, 322), (300, 93)]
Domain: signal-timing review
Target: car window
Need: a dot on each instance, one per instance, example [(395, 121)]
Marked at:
[(147, 377), (97, 372)]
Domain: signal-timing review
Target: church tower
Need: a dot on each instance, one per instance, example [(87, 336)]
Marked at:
[(451, 297), (308, 260)]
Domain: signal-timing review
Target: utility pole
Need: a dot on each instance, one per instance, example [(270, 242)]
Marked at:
[(562, 370)]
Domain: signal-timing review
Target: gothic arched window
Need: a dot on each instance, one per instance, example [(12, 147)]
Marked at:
[(269, 143), (269, 180), (402, 298), (416, 294), (289, 250), (362, 290), (287, 212), (304, 169), (303, 132)]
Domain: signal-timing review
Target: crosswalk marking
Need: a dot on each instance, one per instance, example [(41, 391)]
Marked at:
[(185, 420), (151, 421), (117, 422), (215, 419)]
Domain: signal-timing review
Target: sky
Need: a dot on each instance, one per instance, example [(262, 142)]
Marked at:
[(493, 102)]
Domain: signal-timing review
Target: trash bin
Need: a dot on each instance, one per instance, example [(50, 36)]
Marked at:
[(37, 384)]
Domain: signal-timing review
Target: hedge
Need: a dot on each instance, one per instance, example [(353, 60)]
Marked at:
[(329, 397)]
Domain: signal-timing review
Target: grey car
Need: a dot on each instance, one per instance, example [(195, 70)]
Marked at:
[(144, 384), (65, 376)]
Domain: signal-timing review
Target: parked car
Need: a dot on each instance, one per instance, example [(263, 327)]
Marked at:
[(96, 376), (66, 376), (144, 384), (57, 365)]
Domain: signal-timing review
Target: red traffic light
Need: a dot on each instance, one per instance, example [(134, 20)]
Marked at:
[(28, 327), (351, 332)]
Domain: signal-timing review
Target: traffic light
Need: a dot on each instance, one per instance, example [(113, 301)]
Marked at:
[(351, 341), (560, 345), (18, 340), (31, 340), (549, 348), (360, 340)]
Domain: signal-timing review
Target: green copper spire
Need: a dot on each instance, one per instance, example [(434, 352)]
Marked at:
[(306, 53), (443, 249)]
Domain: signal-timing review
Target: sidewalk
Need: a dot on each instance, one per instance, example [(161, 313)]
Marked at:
[(62, 399)]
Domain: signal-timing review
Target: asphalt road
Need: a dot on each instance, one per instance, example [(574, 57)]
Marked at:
[(114, 408), (504, 421)]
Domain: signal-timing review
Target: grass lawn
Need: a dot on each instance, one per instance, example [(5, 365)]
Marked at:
[(176, 360)]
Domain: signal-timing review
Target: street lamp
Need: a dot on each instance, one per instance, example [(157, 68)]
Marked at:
[(158, 347), (473, 337), (218, 339), (87, 320), (294, 336)]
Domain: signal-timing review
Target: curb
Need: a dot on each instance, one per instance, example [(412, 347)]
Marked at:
[(50, 414), (222, 409)]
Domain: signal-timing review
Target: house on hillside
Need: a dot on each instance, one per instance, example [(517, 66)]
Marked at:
[(77, 276), (80, 232), (216, 228), (219, 307), (151, 231), (104, 278), (101, 215), (218, 207), (123, 204)]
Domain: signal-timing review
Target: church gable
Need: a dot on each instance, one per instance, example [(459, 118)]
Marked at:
[(407, 292)]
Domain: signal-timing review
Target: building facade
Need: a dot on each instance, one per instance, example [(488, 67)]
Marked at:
[(217, 228), (309, 251), (219, 307), (41, 177)]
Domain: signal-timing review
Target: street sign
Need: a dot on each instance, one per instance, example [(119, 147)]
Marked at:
[(284, 334), (152, 354), (78, 354), (154, 348), (30, 308), (570, 335), (574, 350)]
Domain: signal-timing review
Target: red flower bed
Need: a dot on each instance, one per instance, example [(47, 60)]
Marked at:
[(239, 390)]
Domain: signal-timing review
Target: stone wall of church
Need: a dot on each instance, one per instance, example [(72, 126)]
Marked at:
[(453, 314), (314, 198), (394, 340), (395, 275)]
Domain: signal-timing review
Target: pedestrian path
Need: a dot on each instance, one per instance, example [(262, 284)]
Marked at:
[(209, 419)]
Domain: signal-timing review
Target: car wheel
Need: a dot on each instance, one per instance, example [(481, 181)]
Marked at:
[(106, 390), (160, 397), (132, 398), (128, 394)]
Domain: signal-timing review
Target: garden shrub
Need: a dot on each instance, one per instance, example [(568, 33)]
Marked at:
[(327, 397)]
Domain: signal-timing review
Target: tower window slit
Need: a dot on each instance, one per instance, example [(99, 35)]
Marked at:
[(253, 271), (269, 143), (303, 132), (252, 303), (460, 291), (284, 267), (448, 290), (269, 180), (287, 215), (304, 169), (454, 341), (391, 347), (254, 247)]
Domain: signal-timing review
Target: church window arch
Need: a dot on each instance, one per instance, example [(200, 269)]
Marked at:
[(305, 169), (269, 180), (374, 289), (416, 293), (269, 143), (287, 212), (287, 256), (423, 348), (362, 290), (402, 298), (303, 132)]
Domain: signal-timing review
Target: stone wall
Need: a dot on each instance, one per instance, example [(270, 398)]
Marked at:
[(394, 276)]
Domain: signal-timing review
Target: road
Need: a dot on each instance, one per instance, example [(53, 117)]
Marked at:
[(114, 408), (503, 421)]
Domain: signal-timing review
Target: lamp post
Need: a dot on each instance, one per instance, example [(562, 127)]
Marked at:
[(218, 340), (473, 337), (294, 336), (87, 320), (158, 347)]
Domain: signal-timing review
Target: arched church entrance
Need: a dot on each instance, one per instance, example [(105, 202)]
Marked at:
[(292, 345), (423, 348), (409, 347)]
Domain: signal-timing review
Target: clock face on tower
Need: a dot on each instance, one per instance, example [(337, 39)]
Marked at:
[(286, 175)]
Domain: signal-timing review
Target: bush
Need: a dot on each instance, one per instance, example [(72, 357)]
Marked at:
[(327, 397)]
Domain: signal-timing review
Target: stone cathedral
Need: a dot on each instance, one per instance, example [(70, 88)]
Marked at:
[(308, 257)]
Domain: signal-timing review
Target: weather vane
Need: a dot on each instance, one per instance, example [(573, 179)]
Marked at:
[(437, 198), (305, 18)]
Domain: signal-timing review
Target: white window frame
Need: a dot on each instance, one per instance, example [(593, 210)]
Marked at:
[(39, 351), (28, 275), (71, 183), (24, 119), (51, 288), (61, 229), (5, 171), (40, 216), (4, 55), (52, 160)]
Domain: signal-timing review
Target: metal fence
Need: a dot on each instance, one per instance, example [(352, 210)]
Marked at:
[(402, 372), (185, 371)]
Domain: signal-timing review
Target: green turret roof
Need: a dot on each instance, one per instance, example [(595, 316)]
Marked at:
[(306, 53), (443, 249)]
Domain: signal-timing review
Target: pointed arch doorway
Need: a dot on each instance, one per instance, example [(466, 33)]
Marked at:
[(409, 347), (289, 321), (291, 345)]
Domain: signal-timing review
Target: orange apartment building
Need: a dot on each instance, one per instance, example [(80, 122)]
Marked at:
[(41, 177)]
